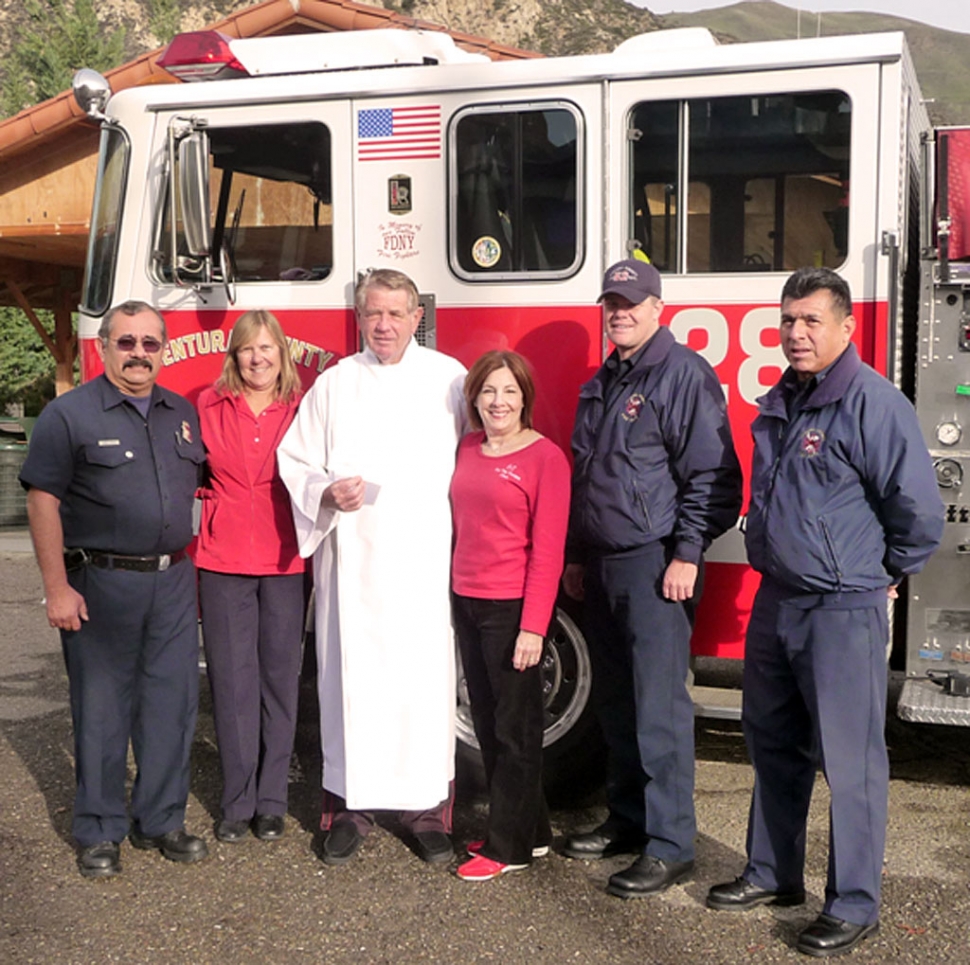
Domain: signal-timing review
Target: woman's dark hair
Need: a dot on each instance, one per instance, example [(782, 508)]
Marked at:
[(484, 367)]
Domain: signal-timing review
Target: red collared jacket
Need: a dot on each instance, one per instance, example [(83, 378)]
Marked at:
[(247, 524)]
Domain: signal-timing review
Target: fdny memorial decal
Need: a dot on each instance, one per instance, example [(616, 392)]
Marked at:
[(399, 240)]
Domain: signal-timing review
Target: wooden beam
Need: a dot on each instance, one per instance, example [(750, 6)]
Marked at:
[(34, 320)]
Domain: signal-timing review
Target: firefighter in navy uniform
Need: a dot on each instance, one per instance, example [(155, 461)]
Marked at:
[(844, 504), (111, 475), (655, 480)]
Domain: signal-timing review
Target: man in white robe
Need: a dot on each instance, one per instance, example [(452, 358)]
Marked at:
[(368, 462)]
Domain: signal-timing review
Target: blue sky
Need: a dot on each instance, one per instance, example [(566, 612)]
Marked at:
[(949, 14)]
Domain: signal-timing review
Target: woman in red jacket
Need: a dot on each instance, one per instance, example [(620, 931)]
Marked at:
[(510, 502), (251, 577)]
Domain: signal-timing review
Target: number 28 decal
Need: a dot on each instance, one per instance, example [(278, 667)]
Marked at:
[(756, 353)]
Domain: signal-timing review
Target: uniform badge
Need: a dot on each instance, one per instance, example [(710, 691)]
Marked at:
[(187, 432), (633, 407), (811, 444)]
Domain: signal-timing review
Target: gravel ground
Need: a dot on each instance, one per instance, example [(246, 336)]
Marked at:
[(260, 902)]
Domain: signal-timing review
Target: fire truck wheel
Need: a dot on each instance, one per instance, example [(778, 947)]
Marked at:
[(573, 753)]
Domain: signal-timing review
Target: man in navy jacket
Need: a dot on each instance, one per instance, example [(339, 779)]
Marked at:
[(655, 480), (844, 504)]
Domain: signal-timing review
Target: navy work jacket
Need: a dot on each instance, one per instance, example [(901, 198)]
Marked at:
[(653, 457), (843, 493)]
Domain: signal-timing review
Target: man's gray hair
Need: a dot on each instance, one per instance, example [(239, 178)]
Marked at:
[(385, 278), (129, 308)]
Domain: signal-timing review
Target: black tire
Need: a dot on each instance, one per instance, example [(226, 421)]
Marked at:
[(573, 753)]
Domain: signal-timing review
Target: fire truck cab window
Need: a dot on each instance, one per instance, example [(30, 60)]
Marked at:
[(271, 205), (514, 210), (767, 182)]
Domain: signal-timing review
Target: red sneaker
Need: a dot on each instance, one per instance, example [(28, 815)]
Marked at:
[(481, 868), (473, 847)]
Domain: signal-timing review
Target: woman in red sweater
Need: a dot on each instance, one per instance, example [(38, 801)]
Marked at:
[(251, 577), (510, 501)]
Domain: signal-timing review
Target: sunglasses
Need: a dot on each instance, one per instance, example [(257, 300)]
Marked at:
[(128, 343)]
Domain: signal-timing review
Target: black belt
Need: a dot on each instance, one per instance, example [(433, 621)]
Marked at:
[(74, 559)]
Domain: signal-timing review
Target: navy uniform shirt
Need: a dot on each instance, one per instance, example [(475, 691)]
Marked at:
[(126, 485)]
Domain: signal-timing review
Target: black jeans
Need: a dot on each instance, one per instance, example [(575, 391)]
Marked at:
[(507, 711)]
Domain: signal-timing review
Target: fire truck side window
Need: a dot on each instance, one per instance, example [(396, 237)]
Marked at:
[(514, 208), (272, 209), (768, 182)]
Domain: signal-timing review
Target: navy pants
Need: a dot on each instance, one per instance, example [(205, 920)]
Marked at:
[(815, 693), (133, 669), (640, 653), (252, 628), (507, 711)]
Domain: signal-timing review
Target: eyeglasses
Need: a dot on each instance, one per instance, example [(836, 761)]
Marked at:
[(127, 343)]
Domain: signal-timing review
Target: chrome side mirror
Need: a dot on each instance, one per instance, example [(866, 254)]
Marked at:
[(91, 92)]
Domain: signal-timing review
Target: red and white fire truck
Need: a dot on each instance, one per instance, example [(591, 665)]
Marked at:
[(285, 166)]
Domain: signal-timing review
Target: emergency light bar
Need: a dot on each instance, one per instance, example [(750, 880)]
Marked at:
[(210, 55), (201, 55)]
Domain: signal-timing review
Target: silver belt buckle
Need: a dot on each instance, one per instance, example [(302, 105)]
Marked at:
[(164, 562)]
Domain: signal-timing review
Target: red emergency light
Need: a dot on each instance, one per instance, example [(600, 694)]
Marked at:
[(201, 55)]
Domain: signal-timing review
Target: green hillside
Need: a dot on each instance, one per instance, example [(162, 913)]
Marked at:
[(942, 57)]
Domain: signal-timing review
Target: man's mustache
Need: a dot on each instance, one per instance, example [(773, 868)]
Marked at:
[(144, 363)]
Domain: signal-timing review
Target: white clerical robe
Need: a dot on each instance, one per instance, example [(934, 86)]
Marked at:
[(385, 651)]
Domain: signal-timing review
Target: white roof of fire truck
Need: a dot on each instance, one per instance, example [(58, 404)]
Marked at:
[(393, 62)]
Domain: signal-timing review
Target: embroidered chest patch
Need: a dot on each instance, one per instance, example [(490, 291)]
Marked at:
[(811, 444), (633, 407), (509, 471)]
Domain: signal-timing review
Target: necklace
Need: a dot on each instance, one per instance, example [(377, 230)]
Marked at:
[(504, 443)]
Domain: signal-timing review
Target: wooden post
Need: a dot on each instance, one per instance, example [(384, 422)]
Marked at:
[(66, 343)]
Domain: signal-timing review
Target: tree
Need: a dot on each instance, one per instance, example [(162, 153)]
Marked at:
[(60, 37), (164, 19), (26, 366)]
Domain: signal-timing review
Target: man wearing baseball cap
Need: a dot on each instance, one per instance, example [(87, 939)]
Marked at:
[(655, 480)]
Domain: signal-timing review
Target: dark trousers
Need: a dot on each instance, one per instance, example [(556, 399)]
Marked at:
[(815, 692), (252, 628), (134, 676), (438, 818), (640, 651), (507, 711)]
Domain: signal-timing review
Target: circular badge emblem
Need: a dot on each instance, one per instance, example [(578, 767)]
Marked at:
[(486, 252)]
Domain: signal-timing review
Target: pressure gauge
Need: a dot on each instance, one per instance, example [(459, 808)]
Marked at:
[(948, 433)]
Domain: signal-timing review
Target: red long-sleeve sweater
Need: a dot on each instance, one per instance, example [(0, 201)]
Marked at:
[(510, 514)]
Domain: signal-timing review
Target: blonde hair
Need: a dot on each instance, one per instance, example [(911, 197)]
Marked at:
[(245, 329)]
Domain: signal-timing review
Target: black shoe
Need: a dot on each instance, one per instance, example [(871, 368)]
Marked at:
[(648, 876), (232, 832), (341, 843), (740, 895), (433, 846), (602, 842), (174, 845), (101, 860), (832, 936), (268, 827)]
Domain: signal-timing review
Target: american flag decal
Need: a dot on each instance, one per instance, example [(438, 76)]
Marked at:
[(395, 133)]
